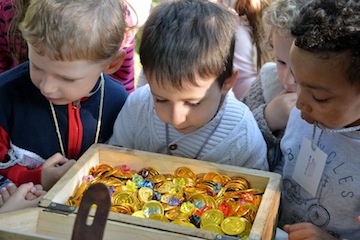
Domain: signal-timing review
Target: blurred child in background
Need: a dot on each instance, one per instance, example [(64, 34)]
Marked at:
[(249, 53), (273, 95)]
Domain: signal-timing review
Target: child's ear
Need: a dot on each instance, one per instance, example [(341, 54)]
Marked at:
[(116, 63), (229, 82)]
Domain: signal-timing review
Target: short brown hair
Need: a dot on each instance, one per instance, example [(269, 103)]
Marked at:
[(183, 39)]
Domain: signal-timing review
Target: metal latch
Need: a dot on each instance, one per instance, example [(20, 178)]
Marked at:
[(60, 208), (224, 237)]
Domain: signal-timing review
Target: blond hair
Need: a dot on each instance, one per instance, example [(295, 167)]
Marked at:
[(89, 30), (279, 16)]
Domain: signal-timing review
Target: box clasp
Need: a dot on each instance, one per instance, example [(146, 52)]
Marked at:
[(60, 208), (224, 237)]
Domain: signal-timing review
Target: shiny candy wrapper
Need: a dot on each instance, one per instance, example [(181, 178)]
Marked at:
[(210, 201)]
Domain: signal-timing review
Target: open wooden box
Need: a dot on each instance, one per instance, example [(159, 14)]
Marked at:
[(54, 220)]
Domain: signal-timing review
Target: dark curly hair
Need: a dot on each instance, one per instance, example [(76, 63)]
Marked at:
[(331, 27)]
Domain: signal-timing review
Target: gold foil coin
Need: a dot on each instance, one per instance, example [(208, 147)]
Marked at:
[(139, 214), (159, 217), (182, 223), (156, 207), (212, 228), (145, 194), (233, 225), (185, 173), (122, 197), (212, 216)]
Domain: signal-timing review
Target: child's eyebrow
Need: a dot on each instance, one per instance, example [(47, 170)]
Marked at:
[(194, 99), (63, 76), (317, 87), (186, 99), (311, 85), (72, 78), (155, 95)]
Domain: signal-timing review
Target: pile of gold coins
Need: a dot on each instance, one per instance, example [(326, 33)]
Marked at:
[(209, 201)]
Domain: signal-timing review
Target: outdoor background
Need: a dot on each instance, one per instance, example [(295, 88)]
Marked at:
[(136, 56)]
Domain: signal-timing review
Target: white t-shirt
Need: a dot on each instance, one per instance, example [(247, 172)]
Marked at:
[(337, 201)]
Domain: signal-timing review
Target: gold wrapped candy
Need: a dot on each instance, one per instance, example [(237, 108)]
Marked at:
[(210, 201)]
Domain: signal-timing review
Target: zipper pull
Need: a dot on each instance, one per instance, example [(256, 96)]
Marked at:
[(76, 104)]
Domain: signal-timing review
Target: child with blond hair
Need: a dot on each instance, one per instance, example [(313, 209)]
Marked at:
[(273, 95), (61, 101)]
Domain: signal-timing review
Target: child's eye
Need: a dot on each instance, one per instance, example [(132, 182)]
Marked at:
[(68, 79), (194, 104), (320, 100), (281, 62), (160, 100), (35, 67)]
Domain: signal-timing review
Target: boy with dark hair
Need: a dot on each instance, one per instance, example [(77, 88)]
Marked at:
[(186, 110)]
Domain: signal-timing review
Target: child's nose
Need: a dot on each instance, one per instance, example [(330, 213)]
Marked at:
[(178, 116), (48, 85), (301, 102)]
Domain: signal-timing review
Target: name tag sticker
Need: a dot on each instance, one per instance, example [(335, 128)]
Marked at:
[(309, 167)]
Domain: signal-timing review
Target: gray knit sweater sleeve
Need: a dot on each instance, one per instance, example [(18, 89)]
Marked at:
[(255, 100), (261, 92), (130, 121)]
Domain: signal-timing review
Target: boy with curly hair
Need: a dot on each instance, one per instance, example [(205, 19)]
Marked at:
[(320, 191)]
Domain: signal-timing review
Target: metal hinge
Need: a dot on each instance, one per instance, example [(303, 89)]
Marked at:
[(224, 237), (60, 208)]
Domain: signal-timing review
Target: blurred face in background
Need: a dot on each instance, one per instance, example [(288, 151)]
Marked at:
[(281, 46)]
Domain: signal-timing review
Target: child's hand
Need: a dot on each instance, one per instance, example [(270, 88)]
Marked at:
[(53, 169), (7, 192), (26, 195), (306, 231), (36, 192), (278, 110)]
